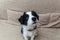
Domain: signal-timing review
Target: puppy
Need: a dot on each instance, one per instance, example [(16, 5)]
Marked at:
[(28, 21)]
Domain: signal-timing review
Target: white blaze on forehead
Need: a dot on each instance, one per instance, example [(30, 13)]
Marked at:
[(30, 18), (29, 13)]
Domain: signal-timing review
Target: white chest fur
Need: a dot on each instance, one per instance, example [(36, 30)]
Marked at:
[(28, 33)]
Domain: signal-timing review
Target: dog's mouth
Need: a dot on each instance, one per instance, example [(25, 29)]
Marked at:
[(34, 22)]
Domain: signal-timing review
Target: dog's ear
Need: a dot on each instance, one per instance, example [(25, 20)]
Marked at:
[(21, 19), (35, 14), (37, 17)]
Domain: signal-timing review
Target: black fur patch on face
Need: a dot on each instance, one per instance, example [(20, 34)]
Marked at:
[(24, 18), (35, 14)]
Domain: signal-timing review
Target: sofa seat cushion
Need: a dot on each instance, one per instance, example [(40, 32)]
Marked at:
[(45, 20), (9, 31), (54, 20), (48, 34)]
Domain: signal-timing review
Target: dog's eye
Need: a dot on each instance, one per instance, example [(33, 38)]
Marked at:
[(26, 16)]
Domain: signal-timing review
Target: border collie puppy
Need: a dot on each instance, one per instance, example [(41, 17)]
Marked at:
[(28, 21)]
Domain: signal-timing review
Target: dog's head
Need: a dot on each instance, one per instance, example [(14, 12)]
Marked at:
[(29, 18)]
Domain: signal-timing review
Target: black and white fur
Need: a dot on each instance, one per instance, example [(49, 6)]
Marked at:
[(28, 21)]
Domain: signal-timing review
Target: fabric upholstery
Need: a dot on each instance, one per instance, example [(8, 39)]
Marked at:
[(9, 31), (45, 20), (13, 16), (12, 32), (48, 34), (49, 23)]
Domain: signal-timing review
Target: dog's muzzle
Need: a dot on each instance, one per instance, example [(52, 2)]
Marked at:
[(33, 29), (34, 22)]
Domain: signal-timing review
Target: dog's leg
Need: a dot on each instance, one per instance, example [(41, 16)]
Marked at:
[(32, 38), (25, 37)]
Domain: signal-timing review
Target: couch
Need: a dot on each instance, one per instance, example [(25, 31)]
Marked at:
[(49, 18)]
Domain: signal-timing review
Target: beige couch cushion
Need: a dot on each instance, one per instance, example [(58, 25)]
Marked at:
[(12, 32), (9, 31), (54, 20), (14, 15), (41, 6), (45, 20), (3, 9), (3, 14), (48, 34)]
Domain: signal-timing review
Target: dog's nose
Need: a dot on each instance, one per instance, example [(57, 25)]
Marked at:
[(34, 18)]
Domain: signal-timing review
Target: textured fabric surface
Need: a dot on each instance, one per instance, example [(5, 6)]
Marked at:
[(40, 6), (12, 32), (48, 34), (54, 20), (13, 15), (3, 9), (45, 20), (9, 31), (49, 11)]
